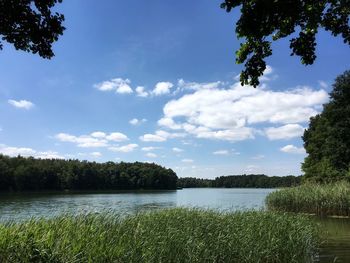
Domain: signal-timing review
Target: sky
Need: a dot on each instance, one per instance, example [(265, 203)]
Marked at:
[(156, 81)]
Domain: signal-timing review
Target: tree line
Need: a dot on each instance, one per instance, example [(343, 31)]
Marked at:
[(242, 181), (30, 174)]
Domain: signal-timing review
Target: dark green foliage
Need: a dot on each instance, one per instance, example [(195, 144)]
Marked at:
[(327, 140), (191, 182), (29, 174), (30, 25), (323, 200), (242, 181), (174, 235), (264, 21)]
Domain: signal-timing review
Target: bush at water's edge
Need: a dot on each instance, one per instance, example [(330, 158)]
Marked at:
[(174, 235)]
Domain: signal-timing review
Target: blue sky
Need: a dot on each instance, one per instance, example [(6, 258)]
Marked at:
[(156, 81)]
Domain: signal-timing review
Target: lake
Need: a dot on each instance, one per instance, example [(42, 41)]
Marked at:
[(18, 207)]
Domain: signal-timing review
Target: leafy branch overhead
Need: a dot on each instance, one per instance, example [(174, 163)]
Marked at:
[(264, 21), (30, 25)]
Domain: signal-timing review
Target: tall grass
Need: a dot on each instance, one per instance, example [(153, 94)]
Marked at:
[(323, 200), (174, 235)]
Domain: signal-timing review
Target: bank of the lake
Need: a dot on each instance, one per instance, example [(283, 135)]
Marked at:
[(170, 235)]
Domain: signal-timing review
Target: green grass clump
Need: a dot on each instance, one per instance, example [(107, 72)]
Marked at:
[(323, 200), (174, 235)]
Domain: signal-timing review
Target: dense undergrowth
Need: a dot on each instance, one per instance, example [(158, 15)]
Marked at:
[(322, 200), (173, 235)]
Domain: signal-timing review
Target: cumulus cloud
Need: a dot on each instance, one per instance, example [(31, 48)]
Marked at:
[(152, 138), (221, 152), (140, 91), (125, 148), (258, 157), (117, 137), (98, 134), (251, 168), (151, 155), (160, 136), (162, 88), (21, 104), (95, 139), (284, 132), (136, 121), (24, 151), (187, 161), (118, 85), (231, 113), (292, 149), (177, 150), (323, 84), (185, 85), (96, 154), (150, 148)]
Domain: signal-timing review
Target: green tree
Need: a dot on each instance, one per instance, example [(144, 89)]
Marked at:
[(30, 25), (327, 140), (264, 21)]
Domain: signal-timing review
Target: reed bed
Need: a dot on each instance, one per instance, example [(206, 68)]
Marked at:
[(173, 235), (322, 200)]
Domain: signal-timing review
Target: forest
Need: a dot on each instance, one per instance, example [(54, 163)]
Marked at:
[(30, 174), (242, 181)]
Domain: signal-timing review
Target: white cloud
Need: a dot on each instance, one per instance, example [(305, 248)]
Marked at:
[(26, 152), (151, 155), (267, 76), (136, 121), (258, 157), (117, 137), (169, 123), (184, 85), (230, 114), (95, 139), (251, 168), (14, 151), (177, 150), (125, 149), (150, 148), (119, 85), (140, 91), (162, 88), (323, 84), (21, 104), (187, 161), (293, 149), (96, 154), (235, 152), (152, 138), (48, 155), (284, 132), (160, 136), (98, 134), (221, 152), (83, 141)]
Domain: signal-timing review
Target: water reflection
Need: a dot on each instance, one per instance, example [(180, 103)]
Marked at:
[(336, 247)]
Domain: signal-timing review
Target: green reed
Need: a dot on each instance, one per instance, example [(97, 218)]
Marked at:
[(323, 200), (173, 235)]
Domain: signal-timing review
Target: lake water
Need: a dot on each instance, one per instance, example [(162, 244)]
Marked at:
[(17, 207), (23, 206)]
